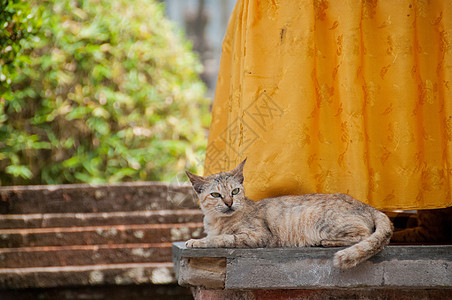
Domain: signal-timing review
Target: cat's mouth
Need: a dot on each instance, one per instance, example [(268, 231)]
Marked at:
[(228, 211)]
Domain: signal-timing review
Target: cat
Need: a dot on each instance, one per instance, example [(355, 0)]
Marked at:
[(330, 220)]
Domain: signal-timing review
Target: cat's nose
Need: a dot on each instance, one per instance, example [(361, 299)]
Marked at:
[(228, 203)]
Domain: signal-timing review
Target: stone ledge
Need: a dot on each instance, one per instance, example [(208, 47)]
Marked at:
[(419, 267)]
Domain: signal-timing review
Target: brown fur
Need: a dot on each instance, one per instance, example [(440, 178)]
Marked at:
[(327, 220)]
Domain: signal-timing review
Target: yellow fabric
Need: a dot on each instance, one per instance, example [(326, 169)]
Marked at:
[(338, 96)]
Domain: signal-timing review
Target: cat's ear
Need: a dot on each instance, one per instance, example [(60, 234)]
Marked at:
[(197, 182), (238, 172)]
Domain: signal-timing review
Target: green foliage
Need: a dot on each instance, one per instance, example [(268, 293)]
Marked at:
[(110, 92), (18, 26)]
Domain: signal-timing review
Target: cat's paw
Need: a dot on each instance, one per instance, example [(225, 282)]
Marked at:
[(201, 243)]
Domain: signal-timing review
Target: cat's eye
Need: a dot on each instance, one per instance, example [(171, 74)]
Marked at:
[(215, 195), (235, 191)]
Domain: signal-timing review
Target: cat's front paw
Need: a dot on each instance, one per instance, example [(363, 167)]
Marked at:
[(201, 243)]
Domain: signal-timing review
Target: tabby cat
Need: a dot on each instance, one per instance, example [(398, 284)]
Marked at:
[(328, 220)]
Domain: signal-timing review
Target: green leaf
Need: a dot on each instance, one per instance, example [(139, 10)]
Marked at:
[(120, 174), (72, 162), (19, 171), (78, 113), (41, 145)]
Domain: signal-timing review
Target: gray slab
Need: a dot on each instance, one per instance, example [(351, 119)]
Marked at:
[(312, 267)]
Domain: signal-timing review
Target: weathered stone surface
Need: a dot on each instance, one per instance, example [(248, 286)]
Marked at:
[(99, 292), (96, 235), (322, 294), (417, 273), (116, 274), (312, 268), (17, 221), (65, 235), (205, 272), (280, 274), (79, 255), (95, 198)]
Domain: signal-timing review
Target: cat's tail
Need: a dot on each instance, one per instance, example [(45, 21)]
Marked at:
[(353, 255)]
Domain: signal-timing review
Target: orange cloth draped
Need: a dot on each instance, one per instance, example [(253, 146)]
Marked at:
[(338, 96)]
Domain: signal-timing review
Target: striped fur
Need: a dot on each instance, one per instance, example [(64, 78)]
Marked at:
[(328, 220)]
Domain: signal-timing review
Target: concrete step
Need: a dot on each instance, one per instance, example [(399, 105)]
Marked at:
[(84, 235), (17, 221), (90, 275), (79, 255), (95, 198), (145, 291), (97, 235)]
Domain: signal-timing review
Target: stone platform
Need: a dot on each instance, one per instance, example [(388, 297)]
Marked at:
[(424, 271)]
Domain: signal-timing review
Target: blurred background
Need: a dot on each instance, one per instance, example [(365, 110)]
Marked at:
[(103, 91), (204, 23)]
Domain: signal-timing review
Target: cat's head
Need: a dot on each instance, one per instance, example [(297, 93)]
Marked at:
[(220, 194)]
